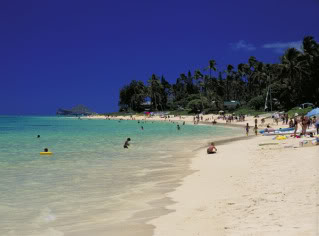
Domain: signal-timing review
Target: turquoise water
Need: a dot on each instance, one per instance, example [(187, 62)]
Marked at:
[(91, 185)]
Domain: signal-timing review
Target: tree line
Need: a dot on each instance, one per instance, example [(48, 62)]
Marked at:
[(291, 82)]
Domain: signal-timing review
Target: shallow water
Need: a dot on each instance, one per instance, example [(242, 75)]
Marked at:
[(91, 185)]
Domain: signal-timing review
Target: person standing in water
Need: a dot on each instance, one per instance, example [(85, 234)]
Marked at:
[(178, 127), (126, 144), (247, 129)]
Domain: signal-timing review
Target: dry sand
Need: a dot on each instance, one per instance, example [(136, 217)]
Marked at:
[(247, 189), (207, 119)]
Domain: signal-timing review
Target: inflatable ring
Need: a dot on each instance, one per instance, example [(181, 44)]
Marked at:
[(46, 153)]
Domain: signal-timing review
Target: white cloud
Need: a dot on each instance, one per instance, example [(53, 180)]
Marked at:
[(281, 47), (243, 45)]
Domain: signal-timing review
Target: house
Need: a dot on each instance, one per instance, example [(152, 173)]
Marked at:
[(146, 105), (231, 104)]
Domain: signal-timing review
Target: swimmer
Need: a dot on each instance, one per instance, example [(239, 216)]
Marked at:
[(126, 144), (211, 149), (178, 127), (142, 128), (45, 150), (38, 136)]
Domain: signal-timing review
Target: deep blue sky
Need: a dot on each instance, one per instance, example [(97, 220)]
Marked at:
[(57, 53)]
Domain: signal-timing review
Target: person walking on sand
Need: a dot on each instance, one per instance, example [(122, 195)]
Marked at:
[(247, 129), (211, 149), (296, 126), (304, 124), (256, 129)]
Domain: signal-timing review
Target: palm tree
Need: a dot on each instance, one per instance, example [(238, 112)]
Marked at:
[(199, 78), (211, 66), (229, 79), (294, 67), (155, 88)]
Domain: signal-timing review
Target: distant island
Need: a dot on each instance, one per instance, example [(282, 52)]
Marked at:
[(78, 110)]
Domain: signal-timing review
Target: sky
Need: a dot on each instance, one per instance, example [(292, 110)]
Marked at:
[(57, 54)]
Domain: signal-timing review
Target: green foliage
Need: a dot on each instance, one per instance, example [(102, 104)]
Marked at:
[(197, 105), (181, 113), (292, 81), (299, 111), (257, 103), (132, 96), (247, 111)]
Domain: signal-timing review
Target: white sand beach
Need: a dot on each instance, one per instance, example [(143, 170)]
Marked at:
[(189, 119), (257, 186), (247, 189)]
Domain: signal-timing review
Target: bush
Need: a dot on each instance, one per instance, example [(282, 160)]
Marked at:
[(196, 105), (248, 111), (301, 112), (257, 103)]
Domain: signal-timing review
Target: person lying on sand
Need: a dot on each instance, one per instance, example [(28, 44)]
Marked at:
[(211, 149)]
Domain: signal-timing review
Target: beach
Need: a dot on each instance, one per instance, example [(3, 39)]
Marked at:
[(254, 185), (251, 186), (247, 189)]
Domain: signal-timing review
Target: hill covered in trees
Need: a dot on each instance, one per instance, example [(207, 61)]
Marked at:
[(291, 82)]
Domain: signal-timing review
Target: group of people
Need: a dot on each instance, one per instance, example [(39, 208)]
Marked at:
[(305, 123), (231, 118)]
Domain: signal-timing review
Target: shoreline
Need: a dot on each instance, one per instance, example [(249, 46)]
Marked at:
[(221, 196), (223, 193)]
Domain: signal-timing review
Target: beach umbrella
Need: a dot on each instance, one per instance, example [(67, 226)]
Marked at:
[(314, 112)]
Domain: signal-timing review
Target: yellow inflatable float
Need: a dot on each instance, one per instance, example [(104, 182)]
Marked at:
[(46, 153), (281, 137)]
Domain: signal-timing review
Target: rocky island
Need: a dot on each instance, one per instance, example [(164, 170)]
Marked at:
[(79, 110)]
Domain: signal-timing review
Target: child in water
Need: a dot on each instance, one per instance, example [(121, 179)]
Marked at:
[(126, 144)]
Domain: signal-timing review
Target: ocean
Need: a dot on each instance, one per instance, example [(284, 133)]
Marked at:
[(91, 185)]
